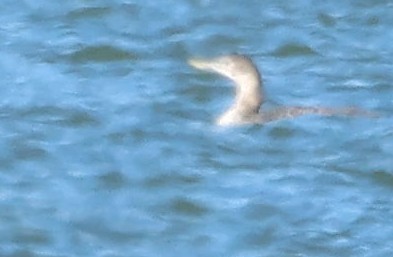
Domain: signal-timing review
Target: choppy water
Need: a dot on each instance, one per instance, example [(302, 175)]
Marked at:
[(108, 146)]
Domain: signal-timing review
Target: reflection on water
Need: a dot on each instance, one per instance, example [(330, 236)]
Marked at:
[(108, 146)]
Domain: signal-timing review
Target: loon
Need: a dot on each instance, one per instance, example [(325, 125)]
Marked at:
[(246, 108)]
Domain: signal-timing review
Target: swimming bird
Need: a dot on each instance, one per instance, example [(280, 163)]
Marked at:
[(246, 108)]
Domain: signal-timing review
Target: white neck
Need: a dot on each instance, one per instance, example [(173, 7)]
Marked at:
[(247, 102)]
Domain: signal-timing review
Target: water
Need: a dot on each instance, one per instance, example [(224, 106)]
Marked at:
[(108, 146)]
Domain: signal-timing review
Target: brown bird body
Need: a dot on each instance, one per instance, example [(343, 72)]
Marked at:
[(246, 108)]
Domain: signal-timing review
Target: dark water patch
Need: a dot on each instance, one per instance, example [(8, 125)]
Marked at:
[(382, 87), (281, 132), (23, 151), (131, 134), (31, 237), (120, 137), (383, 178), (89, 12), (221, 43), (317, 242), (355, 175), (112, 180), (200, 94), (260, 237), (178, 49), (102, 230), (130, 8), (188, 207), (56, 116), (170, 180), (326, 20), (262, 212), (345, 169), (102, 53), (175, 31), (79, 119), (24, 252), (373, 21), (293, 50)]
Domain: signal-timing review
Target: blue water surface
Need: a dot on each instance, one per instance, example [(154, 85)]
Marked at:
[(108, 146)]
